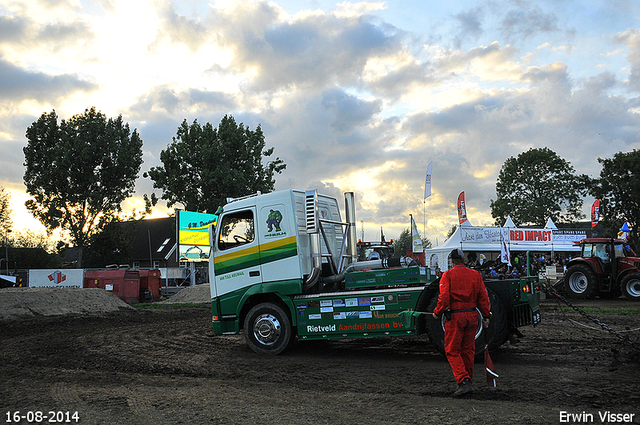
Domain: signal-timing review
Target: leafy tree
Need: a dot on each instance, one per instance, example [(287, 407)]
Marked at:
[(5, 211), (618, 189), (113, 245), (205, 165), (79, 171), (30, 239), (538, 185), (403, 243), (451, 231)]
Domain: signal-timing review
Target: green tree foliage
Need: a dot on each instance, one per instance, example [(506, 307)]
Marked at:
[(113, 245), (79, 171), (403, 244), (5, 211), (205, 165), (618, 189), (536, 186)]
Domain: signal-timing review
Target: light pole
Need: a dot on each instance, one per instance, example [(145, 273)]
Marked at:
[(6, 248)]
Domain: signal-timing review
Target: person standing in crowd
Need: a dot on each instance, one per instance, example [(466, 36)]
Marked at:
[(461, 291)]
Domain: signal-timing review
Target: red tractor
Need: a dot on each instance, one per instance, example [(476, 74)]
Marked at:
[(607, 268)]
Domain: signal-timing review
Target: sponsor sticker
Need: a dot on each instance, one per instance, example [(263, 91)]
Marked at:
[(326, 309), (391, 300), (351, 302), (364, 301), (377, 307), (318, 329), (338, 303), (352, 314), (339, 316), (379, 299), (365, 315), (315, 316), (326, 303), (404, 297)]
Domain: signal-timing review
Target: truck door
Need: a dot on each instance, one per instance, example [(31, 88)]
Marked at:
[(278, 244), (237, 257)]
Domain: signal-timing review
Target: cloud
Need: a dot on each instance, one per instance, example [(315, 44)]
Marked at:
[(470, 26), (524, 23), (19, 32), (349, 111), (312, 50), (18, 84)]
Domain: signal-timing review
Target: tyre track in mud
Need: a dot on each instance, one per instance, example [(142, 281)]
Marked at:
[(168, 367)]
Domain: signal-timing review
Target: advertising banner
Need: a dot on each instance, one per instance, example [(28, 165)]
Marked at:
[(57, 278), (462, 209), (193, 235)]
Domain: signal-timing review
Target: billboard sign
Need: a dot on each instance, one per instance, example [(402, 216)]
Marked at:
[(193, 235)]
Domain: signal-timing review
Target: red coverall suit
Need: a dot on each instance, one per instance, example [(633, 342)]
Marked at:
[(462, 288)]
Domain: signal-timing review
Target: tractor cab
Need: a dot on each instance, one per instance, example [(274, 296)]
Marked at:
[(604, 269)]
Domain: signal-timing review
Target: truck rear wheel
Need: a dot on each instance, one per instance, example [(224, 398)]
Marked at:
[(267, 329), (581, 282), (630, 286), (496, 333)]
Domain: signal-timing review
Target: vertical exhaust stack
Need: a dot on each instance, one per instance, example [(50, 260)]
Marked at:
[(313, 230), (350, 217)]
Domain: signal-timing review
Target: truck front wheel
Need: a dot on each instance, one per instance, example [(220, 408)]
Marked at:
[(581, 282), (630, 286), (267, 329)]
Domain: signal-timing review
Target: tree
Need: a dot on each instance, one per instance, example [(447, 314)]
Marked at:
[(618, 189), (79, 172), (205, 165), (5, 211), (536, 186), (113, 245), (403, 244)]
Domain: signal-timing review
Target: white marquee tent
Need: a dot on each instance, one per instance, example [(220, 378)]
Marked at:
[(488, 239)]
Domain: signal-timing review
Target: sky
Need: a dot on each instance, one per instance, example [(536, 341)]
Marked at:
[(353, 96)]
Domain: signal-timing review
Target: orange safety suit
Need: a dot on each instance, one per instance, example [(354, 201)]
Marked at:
[(462, 288)]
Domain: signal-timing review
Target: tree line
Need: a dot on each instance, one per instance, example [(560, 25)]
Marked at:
[(78, 172), (538, 185)]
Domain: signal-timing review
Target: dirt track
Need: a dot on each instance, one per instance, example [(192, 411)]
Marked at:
[(167, 367)]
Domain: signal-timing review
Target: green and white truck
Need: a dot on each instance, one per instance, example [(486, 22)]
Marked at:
[(283, 267)]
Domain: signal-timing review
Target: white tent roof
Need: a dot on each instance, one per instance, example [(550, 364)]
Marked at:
[(488, 239), (509, 223), (550, 225)]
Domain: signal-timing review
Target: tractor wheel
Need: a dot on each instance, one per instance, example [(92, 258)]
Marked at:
[(581, 282), (267, 329), (496, 333), (630, 286)]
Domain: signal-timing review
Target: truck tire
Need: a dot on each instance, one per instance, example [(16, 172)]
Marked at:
[(581, 282), (496, 335), (630, 286), (267, 329)]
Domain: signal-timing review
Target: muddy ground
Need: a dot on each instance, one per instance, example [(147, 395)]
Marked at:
[(167, 367)]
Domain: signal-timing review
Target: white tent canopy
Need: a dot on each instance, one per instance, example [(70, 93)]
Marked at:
[(488, 239)]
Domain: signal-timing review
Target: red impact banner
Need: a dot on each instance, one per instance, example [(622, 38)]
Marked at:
[(595, 213), (462, 208)]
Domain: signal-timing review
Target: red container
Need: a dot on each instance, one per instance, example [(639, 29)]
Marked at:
[(124, 283), (150, 285)]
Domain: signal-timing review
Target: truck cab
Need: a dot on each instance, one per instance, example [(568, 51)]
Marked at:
[(284, 267)]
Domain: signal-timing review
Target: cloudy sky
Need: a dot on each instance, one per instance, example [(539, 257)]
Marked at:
[(356, 96)]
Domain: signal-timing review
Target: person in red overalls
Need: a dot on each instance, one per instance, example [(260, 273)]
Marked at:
[(461, 291)]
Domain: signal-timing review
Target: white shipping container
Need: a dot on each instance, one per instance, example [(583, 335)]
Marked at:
[(57, 278)]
